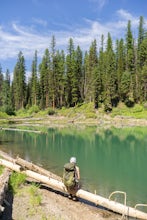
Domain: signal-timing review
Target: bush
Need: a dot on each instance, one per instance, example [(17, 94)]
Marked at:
[(50, 111), (10, 111), (33, 109), (3, 115), (1, 169), (16, 180), (35, 197), (21, 112)]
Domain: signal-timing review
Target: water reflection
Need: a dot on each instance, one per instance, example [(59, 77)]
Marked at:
[(109, 159)]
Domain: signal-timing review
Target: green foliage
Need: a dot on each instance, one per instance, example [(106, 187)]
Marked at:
[(129, 102), (35, 197), (33, 109), (16, 180), (22, 112), (106, 77), (138, 111), (51, 111), (3, 115), (10, 111), (1, 169), (91, 115)]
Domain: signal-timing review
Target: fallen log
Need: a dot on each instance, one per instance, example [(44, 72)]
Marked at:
[(30, 166), (6, 156), (96, 199), (22, 130), (4, 179), (39, 177)]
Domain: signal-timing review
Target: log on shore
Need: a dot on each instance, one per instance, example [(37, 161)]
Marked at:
[(4, 180), (22, 130), (7, 157), (30, 166), (96, 199)]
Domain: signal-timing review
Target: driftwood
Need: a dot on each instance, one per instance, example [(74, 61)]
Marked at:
[(30, 166), (55, 184), (16, 129), (4, 179), (6, 156)]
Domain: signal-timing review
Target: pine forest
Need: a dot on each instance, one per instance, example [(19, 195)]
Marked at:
[(113, 73)]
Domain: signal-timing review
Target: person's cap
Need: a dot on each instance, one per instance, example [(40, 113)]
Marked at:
[(73, 160)]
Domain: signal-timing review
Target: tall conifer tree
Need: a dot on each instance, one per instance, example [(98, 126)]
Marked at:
[(1, 83), (34, 82), (19, 82), (44, 71)]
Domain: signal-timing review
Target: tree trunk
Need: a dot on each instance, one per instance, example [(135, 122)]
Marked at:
[(30, 166)]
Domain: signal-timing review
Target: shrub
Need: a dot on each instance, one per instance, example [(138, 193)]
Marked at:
[(33, 109), (21, 112), (50, 111), (35, 197), (16, 180), (1, 169), (3, 115)]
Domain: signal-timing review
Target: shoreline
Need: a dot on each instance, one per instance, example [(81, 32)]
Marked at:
[(105, 121)]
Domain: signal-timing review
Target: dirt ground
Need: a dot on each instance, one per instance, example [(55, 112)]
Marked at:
[(54, 206)]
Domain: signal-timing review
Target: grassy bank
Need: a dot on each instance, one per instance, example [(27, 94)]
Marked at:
[(81, 114)]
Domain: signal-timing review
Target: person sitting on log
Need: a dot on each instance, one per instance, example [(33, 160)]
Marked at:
[(71, 177)]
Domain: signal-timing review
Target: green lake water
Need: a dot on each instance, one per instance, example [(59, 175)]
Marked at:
[(109, 160)]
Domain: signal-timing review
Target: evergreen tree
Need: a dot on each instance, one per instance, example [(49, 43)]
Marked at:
[(86, 74), (125, 86), (34, 93), (60, 79), (104, 77), (70, 68), (53, 77), (77, 89), (144, 82), (6, 94), (130, 60), (129, 49), (100, 72), (44, 71), (110, 78), (90, 74), (120, 62), (143, 51), (19, 83), (141, 35), (1, 83)]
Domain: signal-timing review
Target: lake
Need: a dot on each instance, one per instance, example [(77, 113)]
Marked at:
[(109, 159)]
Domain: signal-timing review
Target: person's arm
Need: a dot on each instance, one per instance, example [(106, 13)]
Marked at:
[(78, 172)]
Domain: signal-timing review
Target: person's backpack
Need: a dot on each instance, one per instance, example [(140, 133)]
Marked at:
[(69, 175)]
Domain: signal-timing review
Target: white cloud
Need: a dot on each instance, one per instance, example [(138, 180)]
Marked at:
[(29, 39), (99, 4), (126, 16), (40, 21)]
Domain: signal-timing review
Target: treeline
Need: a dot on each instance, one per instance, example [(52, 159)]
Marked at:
[(114, 73)]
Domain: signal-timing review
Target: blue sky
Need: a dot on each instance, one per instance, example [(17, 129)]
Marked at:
[(28, 25)]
